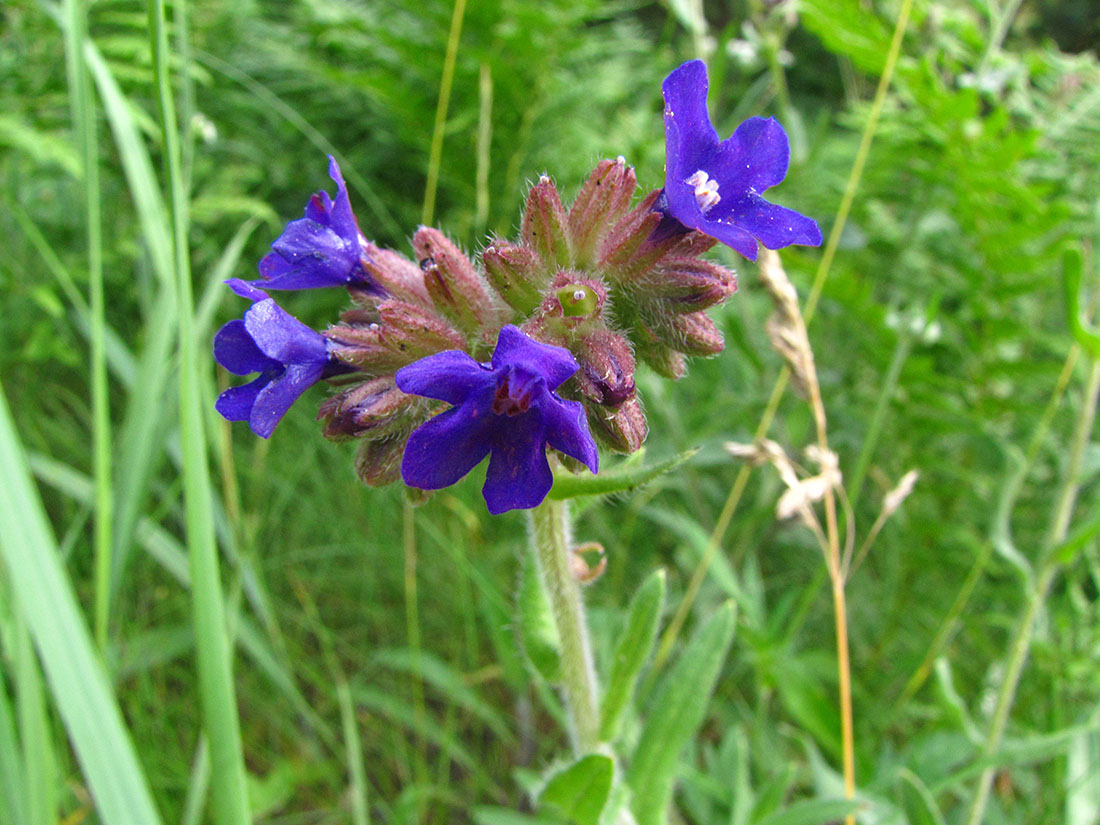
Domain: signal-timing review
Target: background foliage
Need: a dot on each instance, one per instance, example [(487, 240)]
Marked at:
[(377, 668)]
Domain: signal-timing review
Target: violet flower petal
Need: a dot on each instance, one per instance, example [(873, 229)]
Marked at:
[(275, 399), (775, 226), (246, 290), (514, 348), (448, 376), (567, 430), (235, 350), (757, 156), (444, 449), (690, 139), (282, 337), (235, 404), (519, 476)]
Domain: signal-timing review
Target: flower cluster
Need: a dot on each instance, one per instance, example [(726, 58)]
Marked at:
[(443, 360)]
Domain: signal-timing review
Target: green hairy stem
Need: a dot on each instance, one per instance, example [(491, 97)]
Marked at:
[(550, 531)]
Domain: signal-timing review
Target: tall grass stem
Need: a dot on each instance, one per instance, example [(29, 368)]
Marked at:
[(435, 156)]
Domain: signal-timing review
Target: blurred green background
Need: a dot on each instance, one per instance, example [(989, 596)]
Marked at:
[(941, 339)]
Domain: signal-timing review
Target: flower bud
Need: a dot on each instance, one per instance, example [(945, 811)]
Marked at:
[(396, 274), (623, 430), (378, 462), (516, 273), (452, 281), (374, 408), (606, 375), (627, 249), (602, 201), (695, 334), (544, 225), (400, 334), (684, 285)]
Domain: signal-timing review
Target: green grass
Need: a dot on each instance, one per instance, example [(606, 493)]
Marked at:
[(199, 627)]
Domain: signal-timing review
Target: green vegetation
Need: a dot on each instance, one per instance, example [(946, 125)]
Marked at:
[(188, 576)]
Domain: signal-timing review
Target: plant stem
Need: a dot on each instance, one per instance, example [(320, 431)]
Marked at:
[(550, 531)]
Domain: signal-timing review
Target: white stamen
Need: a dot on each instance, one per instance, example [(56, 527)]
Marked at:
[(580, 295), (706, 190)]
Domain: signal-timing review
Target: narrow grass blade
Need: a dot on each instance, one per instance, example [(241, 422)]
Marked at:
[(360, 813), (77, 681), (674, 715), (39, 761), (144, 424), (217, 695), (632, 651), (83, 114), (13, 804)]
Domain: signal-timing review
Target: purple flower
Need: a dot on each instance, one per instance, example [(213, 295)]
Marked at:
[(508, 408), (715, 186), (289, 356), (322, 249)]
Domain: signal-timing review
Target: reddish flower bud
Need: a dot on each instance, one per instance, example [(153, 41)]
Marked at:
[(685, 285), (623, 430), (452, 281), (516, 273), (606, 375), (396, 274), (374, 408), (544, 225), (397, 334), (378, 462), (695, 334), (602, 201), (627, 249)]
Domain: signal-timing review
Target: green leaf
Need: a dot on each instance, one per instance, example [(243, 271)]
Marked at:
[(1085, 334), (848, 28), (492, 815), (537, 630), (622, 479), (675, 713), (580, 791), (813, 812), (77, 681), (632, 652)]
